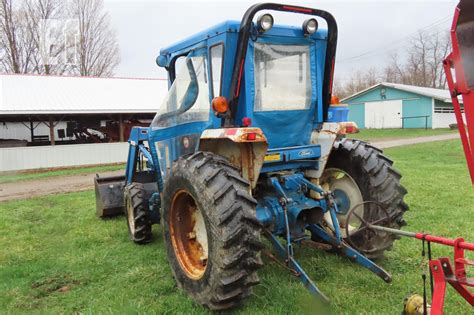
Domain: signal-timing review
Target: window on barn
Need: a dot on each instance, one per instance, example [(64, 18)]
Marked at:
[(445, 108)]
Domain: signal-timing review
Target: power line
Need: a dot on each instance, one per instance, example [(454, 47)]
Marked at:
[(386, 46), (433, 24)]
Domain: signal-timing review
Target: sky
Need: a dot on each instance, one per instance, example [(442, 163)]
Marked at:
[(369, 31)]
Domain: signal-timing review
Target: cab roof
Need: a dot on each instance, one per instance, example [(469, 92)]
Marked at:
[(231, 26)]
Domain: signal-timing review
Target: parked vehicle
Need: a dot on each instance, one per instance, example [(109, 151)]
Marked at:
[(250, 142)]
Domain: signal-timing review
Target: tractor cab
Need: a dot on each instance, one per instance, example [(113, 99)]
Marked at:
[(281, 82), (250, 73)]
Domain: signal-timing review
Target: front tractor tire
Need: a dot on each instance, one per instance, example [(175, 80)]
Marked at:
[(360, 176), (211, 232), (137, 212)]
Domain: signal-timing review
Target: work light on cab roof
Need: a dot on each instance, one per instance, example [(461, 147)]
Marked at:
[(265, 22), (310, 26)]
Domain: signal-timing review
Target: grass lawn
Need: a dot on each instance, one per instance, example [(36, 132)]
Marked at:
[(57, 257), (379, 134), (21, 176)]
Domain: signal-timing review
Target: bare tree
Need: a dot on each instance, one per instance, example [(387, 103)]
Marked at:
[(98, 52), (47, 42), (394, 72), (357, 81), (418, 60), (423, 62), (420, 64), (15, 57), (441, 45), (338, 88), (56, 37)]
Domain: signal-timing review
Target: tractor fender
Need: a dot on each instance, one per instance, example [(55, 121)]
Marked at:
[(326, 137), (243, 147)]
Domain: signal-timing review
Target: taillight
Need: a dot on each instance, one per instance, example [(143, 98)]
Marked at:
[(251, 136), (348, 128), (246, 122), (351, 129)]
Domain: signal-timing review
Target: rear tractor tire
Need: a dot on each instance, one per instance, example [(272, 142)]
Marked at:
[(137, 212), (211, 231), (360, 176)]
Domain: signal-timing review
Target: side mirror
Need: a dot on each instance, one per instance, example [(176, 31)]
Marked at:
[(161, 61)]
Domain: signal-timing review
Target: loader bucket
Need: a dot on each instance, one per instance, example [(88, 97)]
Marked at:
[(461, 83), (109, 195)]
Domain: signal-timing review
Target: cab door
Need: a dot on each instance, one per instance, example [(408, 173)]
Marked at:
[(184, 113)]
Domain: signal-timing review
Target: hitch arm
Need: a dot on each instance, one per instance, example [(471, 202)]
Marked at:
[(350, 252), (292, 263)]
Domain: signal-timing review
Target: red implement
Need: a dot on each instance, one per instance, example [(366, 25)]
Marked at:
[(443, 273), (443, 270), (461, 82)]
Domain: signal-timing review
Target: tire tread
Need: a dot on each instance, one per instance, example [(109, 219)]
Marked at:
[(382, 180), (232, 213)]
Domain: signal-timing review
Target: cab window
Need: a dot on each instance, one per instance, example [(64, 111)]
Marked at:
[(188, 96), (282, 77), (217, 55)]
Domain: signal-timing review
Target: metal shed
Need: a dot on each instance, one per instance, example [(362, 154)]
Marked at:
[(36, 109), (391, 105)]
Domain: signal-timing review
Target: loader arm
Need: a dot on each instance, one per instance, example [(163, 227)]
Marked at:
[(461, 60)]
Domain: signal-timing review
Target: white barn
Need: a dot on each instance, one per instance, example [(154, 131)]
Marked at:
[(34, 108), (37, 112)]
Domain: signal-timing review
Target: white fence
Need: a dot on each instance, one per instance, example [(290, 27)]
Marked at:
[(26, 158), (443, 120)]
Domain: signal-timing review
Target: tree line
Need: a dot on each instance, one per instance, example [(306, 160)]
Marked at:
[(420, 65), (57, 37)]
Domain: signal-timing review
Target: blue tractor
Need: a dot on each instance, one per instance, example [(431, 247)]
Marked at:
[(249, 142)]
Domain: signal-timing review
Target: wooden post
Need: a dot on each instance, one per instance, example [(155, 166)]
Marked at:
[(32, 131), (121, 137), (51, 130)]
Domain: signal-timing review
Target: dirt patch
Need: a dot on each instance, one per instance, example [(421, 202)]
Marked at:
[(52, 169), (47, 286), (386, 143), (48, 186)]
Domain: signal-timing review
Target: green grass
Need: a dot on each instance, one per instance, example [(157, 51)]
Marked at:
[(56, 242), (379, 134), (22, 176)]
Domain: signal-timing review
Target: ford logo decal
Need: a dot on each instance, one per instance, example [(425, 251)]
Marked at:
[(305, 153)]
